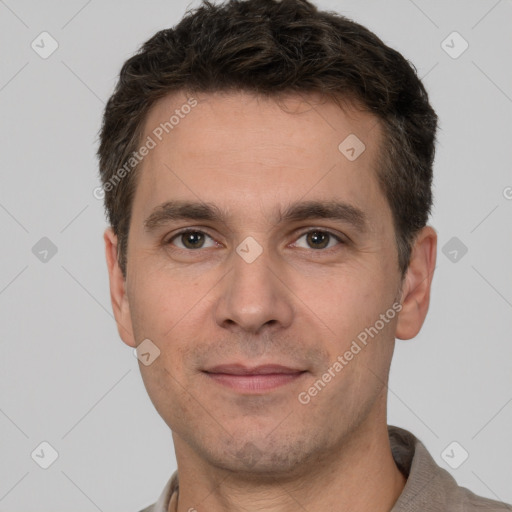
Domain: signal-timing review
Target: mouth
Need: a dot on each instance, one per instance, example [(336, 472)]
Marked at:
[(255, 380)]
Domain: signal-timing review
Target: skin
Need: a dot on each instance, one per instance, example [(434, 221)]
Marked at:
[(296, 305)]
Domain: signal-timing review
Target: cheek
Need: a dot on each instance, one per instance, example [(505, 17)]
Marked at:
[(160, 301), (168, 391), (351, 307), (170, 311), (347, 303)]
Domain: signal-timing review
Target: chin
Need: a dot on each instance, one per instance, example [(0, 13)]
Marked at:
[(263, 459)]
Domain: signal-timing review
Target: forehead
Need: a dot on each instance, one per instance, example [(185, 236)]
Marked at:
[(237, 148), (284, 121)]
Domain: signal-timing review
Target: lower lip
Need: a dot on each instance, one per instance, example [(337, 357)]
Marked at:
[(254, 383)]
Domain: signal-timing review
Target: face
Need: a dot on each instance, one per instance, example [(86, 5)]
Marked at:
[(289, 256)]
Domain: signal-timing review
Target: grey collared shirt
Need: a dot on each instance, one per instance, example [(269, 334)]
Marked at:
[(429, 487)]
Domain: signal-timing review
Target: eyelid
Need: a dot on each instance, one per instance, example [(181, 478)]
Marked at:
[(341, 237)]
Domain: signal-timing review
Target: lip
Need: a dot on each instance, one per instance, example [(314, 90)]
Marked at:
[(253, 380), (264, 369)]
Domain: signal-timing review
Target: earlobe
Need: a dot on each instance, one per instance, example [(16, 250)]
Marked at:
[(118, 297), (417, 284)]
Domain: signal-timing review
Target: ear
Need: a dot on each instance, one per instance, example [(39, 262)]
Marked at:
[(118, 295), (416, 285)]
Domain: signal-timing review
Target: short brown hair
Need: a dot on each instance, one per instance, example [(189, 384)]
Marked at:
[(271, 47)]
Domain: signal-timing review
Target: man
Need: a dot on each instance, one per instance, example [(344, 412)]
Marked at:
[(267, 170)]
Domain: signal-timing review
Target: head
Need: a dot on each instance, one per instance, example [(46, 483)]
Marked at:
[(297, 149)]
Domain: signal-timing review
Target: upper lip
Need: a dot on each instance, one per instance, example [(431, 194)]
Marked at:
[(240, 369)]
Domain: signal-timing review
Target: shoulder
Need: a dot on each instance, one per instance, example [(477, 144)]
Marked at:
[(429, 487), (471, 502)]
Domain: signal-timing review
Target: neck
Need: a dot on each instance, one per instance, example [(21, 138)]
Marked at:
[(360, 476)]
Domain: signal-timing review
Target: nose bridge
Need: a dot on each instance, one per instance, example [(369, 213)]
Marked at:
[(252, 295), (252, 266)]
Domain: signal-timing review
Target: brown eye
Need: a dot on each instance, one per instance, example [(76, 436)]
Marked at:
[(191, 239), (319, 239)]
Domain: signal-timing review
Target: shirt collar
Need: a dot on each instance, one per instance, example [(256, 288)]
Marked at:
[(429, 488)]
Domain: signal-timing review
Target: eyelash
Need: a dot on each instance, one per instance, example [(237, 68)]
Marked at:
[(193, 230)]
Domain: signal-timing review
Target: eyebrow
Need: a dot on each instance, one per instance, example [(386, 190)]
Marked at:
[(299, 211)]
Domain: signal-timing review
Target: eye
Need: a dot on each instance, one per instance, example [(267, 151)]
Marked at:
[(191, 239), (319, 239)]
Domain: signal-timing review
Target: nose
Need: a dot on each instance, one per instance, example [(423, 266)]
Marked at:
[(254, 296)]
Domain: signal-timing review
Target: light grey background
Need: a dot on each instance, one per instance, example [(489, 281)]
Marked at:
[(66, 378)]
